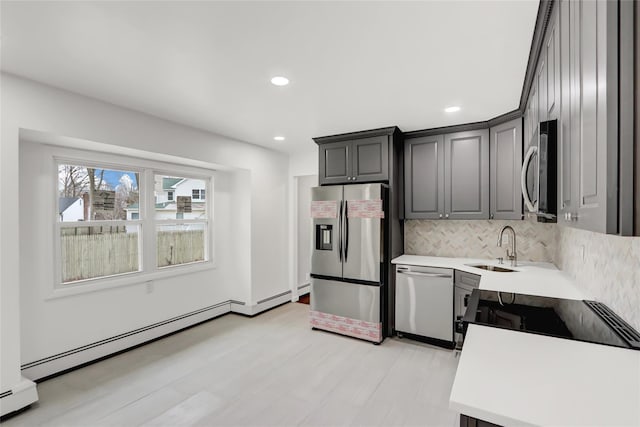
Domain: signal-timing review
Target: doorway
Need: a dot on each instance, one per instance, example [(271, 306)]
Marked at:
[(303, 235)]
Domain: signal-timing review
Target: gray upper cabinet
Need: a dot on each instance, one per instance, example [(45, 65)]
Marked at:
[(370, 159), (541, 92), (588, 156), (505, 158), (447, 176), (589, 120), (335, 162), (358, 160), (551, 50), (424, 177), (565, 155), (531, 122), (466, 178)]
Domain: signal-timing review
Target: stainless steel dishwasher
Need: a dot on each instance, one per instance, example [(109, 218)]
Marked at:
[(424, 303)]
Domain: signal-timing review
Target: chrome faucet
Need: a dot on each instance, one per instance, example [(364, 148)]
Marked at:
[(513, 256)]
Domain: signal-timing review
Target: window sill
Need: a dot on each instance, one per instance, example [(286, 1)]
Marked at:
[(127, 279)]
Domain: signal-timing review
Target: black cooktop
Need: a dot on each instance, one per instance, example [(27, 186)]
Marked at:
[(588, 321)]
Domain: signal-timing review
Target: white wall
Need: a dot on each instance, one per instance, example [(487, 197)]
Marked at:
[(255, 190), (303, 227), (51, 326), (304, 163), (300, 164)]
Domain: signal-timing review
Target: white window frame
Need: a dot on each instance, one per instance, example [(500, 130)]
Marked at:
[(59, 225), (148, 269)]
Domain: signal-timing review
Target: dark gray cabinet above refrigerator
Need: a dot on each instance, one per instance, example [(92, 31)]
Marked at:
[(357, 157)]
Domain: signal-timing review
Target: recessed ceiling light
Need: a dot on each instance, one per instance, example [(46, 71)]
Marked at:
[(280, 81), (452, 109), (278, 138)]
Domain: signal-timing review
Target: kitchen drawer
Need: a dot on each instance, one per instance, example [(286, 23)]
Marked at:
[(467, 279)]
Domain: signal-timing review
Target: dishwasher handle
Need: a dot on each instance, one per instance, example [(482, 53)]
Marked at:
[(417, 273)]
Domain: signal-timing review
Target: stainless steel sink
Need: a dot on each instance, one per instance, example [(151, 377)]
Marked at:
[(492, 268)]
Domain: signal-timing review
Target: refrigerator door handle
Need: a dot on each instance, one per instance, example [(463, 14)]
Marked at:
[(340, 234), (346, 233)]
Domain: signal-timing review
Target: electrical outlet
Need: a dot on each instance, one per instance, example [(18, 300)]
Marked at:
[(150, 287)]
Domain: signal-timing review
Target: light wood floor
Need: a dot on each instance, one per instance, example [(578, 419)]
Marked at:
[(269, 370)]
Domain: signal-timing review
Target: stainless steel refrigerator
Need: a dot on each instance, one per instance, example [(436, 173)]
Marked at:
[(348, 262)]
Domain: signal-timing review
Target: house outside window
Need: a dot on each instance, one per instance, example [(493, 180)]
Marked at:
[(170, 195)]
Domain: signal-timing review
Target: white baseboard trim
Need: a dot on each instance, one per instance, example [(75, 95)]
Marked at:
[(61, 362), (58, 363), (19, 396), (260, 306)]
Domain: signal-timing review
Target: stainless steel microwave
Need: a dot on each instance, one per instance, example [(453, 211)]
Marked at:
[(539, 173)]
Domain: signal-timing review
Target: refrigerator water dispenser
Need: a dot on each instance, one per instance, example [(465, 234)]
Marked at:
[(324, 237)]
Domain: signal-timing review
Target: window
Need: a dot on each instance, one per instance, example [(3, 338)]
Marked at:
[(105, 228), (181, 227), (97, 237), (197, 194)]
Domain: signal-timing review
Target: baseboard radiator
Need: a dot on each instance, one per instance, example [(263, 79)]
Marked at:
[(39, 370)]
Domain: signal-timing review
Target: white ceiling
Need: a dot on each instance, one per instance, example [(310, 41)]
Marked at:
[(352, 65)]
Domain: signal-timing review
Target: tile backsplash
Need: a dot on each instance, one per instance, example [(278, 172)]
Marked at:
[(606, 267), (478, 239)]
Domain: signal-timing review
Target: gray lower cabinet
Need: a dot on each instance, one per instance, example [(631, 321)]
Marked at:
[(424, 177), (466, 177), (467, 421), (505, 158), (354, 161)]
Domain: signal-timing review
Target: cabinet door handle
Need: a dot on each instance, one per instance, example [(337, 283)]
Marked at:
[(446, 216), (440, 215), (354, 178)]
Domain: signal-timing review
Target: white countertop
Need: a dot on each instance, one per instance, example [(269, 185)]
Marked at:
[(531, 278), (514, 378)]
